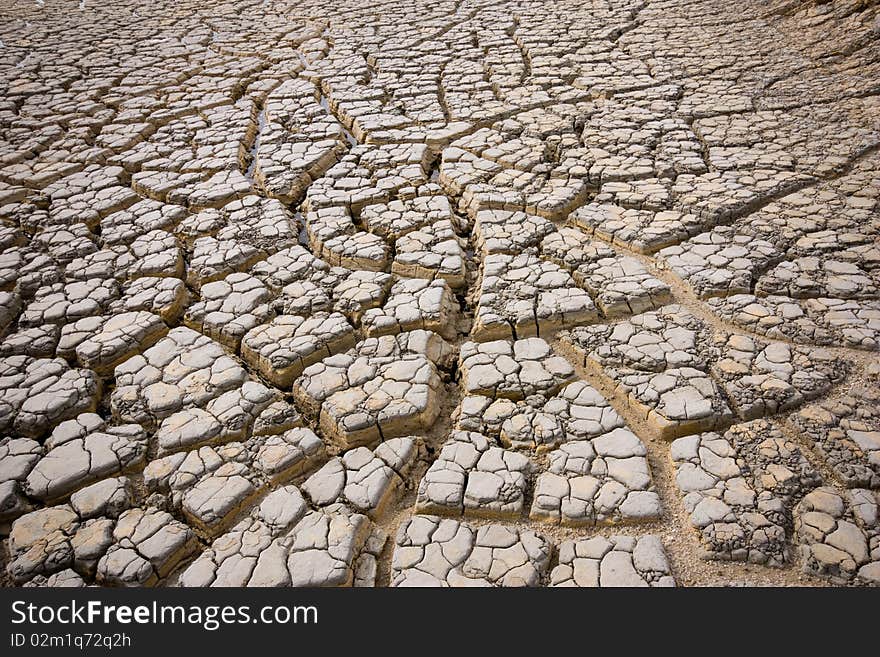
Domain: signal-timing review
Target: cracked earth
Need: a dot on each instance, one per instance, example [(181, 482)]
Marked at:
[(459, 293)]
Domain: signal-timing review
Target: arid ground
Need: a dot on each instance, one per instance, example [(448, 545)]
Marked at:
[(466, 293)]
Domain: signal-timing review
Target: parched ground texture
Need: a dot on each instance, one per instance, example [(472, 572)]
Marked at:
[(459, 293)]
